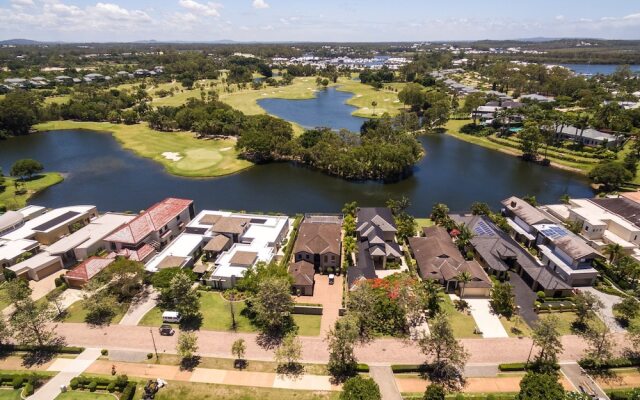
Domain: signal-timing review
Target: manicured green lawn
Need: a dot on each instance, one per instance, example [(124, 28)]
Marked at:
[(6, 394), (423, 222), (8, 197), (462, 324), (78, 395), (566, 320), (514, 323), (200, 158), (216, 314), (77, 313), (57, 99), (4, 301), (202, 391), (363, 95)]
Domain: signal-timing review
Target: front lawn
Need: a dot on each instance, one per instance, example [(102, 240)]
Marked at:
[(10, 394), (78, 395), (462, 324), (216, 313), (203, 391), (228, 364), (13, 201), (77, 313), (515, 327), (566, 321)]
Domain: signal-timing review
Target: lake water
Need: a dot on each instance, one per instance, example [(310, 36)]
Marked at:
[(100, 172), (593, 69), (327, 109)]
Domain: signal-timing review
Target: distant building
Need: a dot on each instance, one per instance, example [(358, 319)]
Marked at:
[(589, 136)]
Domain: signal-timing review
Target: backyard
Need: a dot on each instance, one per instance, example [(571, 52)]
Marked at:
[(216, 313)]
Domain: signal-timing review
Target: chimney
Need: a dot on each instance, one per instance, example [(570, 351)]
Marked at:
[(513, 204)]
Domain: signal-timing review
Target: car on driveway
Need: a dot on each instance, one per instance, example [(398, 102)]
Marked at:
[(166, 330)]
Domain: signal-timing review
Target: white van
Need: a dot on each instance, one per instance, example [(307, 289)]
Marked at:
[(171, 317)]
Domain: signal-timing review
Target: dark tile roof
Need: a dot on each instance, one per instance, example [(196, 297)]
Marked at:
[(627, 209), (364, 267), (303, 273), (318, 238)]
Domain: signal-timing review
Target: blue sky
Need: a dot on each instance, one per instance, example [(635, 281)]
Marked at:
[(313, 20)]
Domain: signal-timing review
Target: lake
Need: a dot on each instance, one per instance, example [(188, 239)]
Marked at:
[(593, 69), (98, 171)]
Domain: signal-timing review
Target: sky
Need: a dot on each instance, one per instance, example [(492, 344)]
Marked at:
[(316, 20)]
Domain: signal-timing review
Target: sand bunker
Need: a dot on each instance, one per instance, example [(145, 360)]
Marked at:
[(172, 156)]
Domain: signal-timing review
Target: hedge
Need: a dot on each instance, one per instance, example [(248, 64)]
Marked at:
[(620, 394), (512, 367), (53, 349), (614, 363), (128, 392), (362, 368), (406, 368)]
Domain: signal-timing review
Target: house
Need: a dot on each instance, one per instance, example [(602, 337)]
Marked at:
[(153, 229), (376, 243), (94, 78), (521, 217), (80, 275), (589, 137), (499, 253), (602, 222), (181, 253), (10, 220), (64, 80), (37, 267), (303, 273), (235, 242), (320, 244), (439, 259), (49, 227), (89, 239), (537, 97), (484, 113), (566, 254), (12, 251)]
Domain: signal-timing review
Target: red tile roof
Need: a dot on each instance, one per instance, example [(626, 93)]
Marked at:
[(137, 255), (89, 268), (151, 220)]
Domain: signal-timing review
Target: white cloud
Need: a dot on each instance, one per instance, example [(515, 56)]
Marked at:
[(21, 3), (210, 9), (260, 4), (559, 18)]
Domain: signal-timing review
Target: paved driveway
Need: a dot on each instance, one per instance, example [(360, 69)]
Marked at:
[(330, 296), (488, 323), (383, 375), (525, 298), (606, 312)]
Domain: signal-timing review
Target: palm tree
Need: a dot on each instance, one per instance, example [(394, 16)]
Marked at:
[(614, 251), (565, 198), (464, 278), (464, 237), (432, 291), (374, 104)]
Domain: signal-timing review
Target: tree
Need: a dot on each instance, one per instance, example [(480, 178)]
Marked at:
[(259, 273), (627, 310), (565, 198), (5, 333), (439, 213), (412, 95), (600, 344), (181, 296), (341, 340), (26, 168), (502, 299), (162, 279), (610, 174), (264, 139), (288, 355), (432, 291), (471, 102), (31, 322), (361, 304), (547, 338), (19, 112), (465, 235), (101, 307), (587, 305), (434, 392), (186, 348), (238, 349), (478, 208), (359, 388), (374, 104), (273, 305), (614, 251), (535, 386), (350, 209), (464, 278), (446, 356), (531, 140)]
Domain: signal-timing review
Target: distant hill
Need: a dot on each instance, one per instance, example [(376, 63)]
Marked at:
[(19, 42)]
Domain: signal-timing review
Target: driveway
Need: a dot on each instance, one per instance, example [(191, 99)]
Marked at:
[(383, 375), (525, 298), (141, 306), (606, 312), (488, 323), (330, 296), (581, 381), (41, 288), (68, 369)]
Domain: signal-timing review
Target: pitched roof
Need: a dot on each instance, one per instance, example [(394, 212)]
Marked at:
[(171, 262), (318, 238), (151, 220), (303, 273), (622, 206), (244, 258), (233, 225), (210, 219), (217, 244), (364, 268), (525, 211), (378, 216), (574, 247), (89, 268), (436, 255)]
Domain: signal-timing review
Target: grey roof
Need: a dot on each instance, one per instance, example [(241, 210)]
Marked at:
[(379, 216), (626, 208), (588, 133), (364, 269), (525, 211), (9, 219)]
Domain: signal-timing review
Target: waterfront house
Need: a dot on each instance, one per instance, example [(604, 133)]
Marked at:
[(303, 274), (320, 244), (153, 229), (589, 137), (439, 259), (522, 217), (81, 274), (180, 253)]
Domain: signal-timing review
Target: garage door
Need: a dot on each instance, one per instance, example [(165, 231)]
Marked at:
[(46, 271)]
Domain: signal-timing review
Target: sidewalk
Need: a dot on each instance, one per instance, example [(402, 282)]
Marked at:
[(68, 369), (383, 375), (581, 381)]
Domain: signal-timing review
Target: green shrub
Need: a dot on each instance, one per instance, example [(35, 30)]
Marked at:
[(406, 368), (28, 390), (92, 386), (149, 356), (104, 352), (541, 295), (17, 382), (111, 387), (128, 392), (362, 368), (74, 383), (511, 367)]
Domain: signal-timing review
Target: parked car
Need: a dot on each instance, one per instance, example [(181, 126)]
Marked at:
[(332, 279), (166, 330), (172, 317)]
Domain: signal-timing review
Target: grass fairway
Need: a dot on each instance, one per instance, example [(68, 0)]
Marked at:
[(57, 99), (363, 95), (77, 313), (202, 391), (216, 314), (9, 198), (200, 158)]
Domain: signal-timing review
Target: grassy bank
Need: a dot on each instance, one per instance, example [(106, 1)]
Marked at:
[(364, 95), (13, 201), (199, 158)]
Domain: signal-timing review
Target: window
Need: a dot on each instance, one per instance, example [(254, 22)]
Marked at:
[(306, 256), (586, 228), (178, 218), (333, 258), (326, 258)]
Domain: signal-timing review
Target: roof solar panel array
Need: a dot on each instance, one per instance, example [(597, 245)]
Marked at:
[(482, 229)]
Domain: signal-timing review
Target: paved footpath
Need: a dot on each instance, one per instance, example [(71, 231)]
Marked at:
[(383, 375), (391, 351), (581, 381), (68, 369)]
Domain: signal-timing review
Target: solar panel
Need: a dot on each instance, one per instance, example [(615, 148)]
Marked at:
[(483, 229)]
